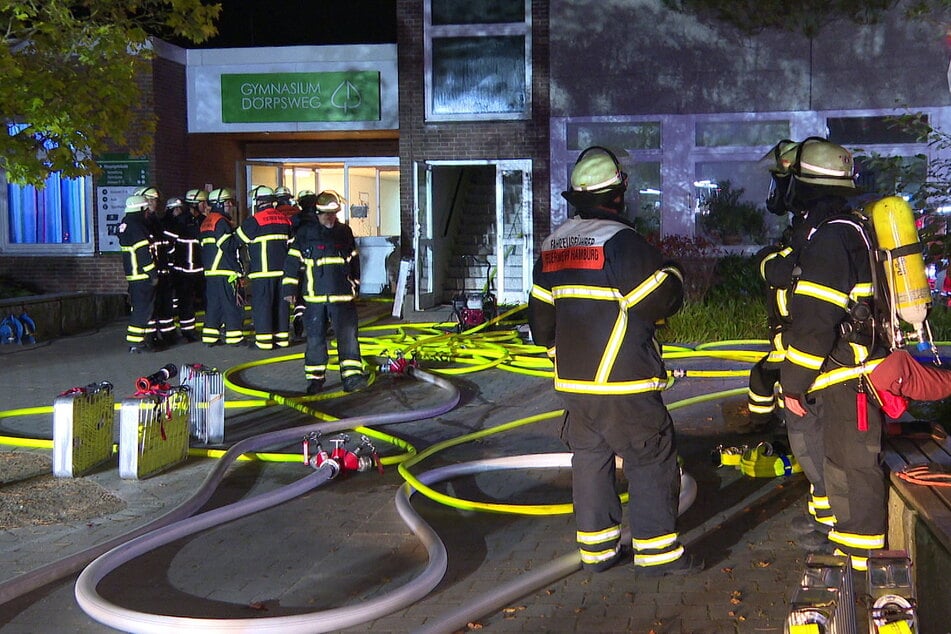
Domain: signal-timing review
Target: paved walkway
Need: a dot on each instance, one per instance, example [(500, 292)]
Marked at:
[(344, 544)]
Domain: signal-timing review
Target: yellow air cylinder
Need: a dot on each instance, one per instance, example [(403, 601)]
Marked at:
[(895, 230)]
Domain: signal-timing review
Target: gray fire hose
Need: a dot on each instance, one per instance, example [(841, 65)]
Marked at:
[(72, 564)]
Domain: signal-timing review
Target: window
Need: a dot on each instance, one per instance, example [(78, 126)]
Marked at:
[(740, 133), (53, 219), (631, 136), (478, 60), (731, 206), (871, 130)]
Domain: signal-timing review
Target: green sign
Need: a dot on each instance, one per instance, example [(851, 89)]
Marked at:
[(122, 172), (291, 97)]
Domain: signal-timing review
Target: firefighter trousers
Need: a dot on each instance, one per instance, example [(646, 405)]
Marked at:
[(187, 287), (270, 313), (342, 316), (639, 429), (221, 307), (807, 443), (854, 477), (764, 376), (142, 300), (164, 313)]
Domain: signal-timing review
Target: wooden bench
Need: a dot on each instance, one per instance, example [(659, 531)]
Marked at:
[(920, 523)]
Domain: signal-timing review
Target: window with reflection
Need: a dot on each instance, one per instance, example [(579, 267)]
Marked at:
[(874, 130), (631, 136), (55, 214), (740, 133), (731, 204), (478, 59), (643, 197)]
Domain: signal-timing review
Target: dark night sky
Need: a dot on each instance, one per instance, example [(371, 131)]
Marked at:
[(303, 22)]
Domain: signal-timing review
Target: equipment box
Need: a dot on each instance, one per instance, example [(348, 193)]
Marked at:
[(82, 429), (153, 433), (206, 413)]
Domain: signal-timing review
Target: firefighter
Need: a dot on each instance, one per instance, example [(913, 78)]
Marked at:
[(163, 317), (285, 202), (599, 289), (221, 260), (182, 228), (307, 205), (775, 264), (266, 234), (139, 265), (779, 268), (828, 344), (330, 281)]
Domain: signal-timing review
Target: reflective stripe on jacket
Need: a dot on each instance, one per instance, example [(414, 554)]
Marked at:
[(599, 288), (326, 261), (219, 246), (836, 273), (136, 246), (266, 233)]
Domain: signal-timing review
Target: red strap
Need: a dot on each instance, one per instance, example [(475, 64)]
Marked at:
[(861, 411)]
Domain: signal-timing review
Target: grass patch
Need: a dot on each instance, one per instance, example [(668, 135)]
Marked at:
[(721, 320)]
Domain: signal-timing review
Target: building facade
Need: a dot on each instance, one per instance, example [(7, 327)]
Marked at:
[(452, 145)]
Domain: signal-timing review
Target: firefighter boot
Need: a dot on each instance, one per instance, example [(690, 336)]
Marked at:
[(354, 383), (684, 565)]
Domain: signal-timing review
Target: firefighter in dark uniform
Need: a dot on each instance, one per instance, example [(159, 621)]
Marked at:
[(163, 316), (197, 202), (779, 268), (775, 264), (323, 256), (599, 289), (183, 226), (285, 202), (266, 234), (135, 241), (222, 264), (831, 346), (306, 205)]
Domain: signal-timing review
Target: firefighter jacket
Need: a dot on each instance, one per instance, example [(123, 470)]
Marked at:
[(330, 262), (183, 232), (266, 233), (161, 244), (824, 344), (219, 247), (135, 241), (599, 288)]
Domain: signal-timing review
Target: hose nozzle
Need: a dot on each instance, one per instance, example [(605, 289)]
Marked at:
[(152, 381)]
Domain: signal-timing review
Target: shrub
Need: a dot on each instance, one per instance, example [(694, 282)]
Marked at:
[(735, 277), (13, 288), (697, 256), (730, 219)]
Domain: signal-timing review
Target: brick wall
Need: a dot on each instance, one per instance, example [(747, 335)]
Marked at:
[(96, 274), (170, 154), (420, 140)]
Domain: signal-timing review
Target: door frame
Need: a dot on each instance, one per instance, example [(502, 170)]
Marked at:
[(425, 245)]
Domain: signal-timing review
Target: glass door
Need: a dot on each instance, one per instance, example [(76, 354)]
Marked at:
[(513, 276), (423, 235)]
